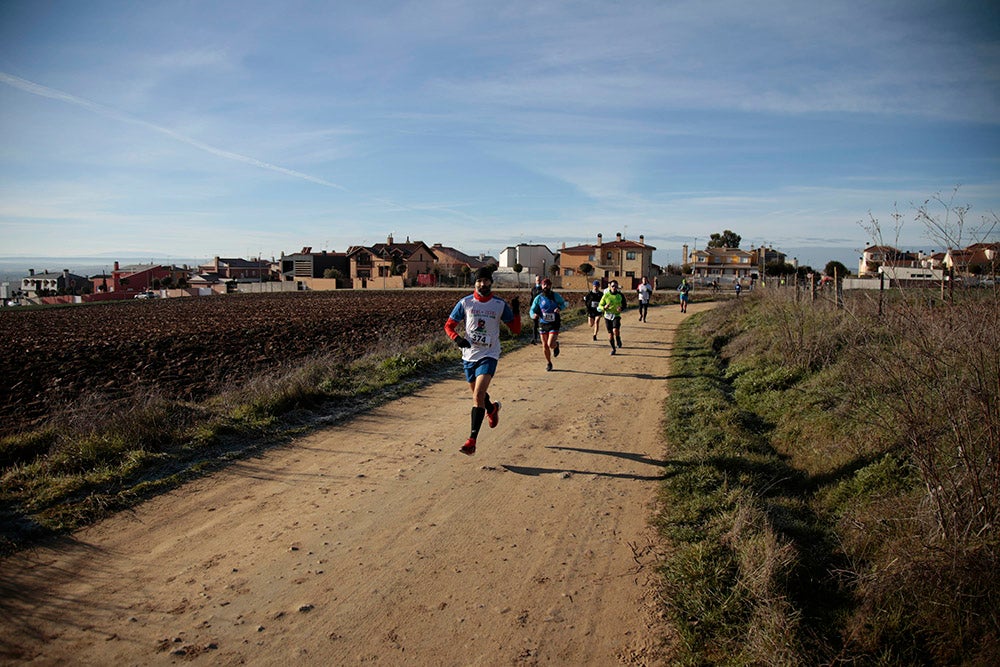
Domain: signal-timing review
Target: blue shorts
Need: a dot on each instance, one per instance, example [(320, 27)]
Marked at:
[(485, 366)]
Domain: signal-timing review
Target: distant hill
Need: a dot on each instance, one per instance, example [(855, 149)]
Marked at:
[(13, 269)]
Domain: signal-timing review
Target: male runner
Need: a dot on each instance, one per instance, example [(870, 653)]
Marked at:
[(474, 325)]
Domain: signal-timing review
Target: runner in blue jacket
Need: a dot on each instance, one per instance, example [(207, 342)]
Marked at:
[(545, 311)]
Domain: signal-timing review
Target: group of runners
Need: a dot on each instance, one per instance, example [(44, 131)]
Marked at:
[(474, 325)]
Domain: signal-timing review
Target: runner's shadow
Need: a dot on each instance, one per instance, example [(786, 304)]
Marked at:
[(536, 472), (532, 471), (639, 376), (640, 458)]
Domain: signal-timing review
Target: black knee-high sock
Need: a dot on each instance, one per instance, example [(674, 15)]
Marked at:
[(477, 421), (489, 404)]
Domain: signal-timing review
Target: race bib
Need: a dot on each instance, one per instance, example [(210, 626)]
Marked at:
[(548, 317), (480, 338), (609, 315)]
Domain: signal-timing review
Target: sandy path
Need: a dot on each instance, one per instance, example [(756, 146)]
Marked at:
[(377, 541)]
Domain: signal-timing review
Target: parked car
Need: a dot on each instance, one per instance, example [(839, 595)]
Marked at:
[(149, 294)]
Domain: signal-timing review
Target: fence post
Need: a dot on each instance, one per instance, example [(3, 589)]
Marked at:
[(881, 290), (839, 288)]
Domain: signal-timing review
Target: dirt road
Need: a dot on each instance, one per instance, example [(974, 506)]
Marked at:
[(376, 541)]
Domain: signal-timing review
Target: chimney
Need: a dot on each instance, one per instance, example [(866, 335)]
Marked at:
[(31, 272), (684, 259), (66, 274), (388, 241), (618, 236), (599, 239), (642, 239), (116, 265)]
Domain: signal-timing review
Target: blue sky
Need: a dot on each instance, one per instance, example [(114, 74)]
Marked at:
[(192, 129)]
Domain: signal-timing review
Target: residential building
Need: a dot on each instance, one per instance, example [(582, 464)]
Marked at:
[(34, 284), (454, 266), (726, 265), (934, 260), (390, 264), (877, 256), (910, 276), (622, 259), (535, 260), (978, 259), (137, 278), (239, 269), (309, 264), (761, 257)]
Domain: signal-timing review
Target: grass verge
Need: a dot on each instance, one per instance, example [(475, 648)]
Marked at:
[(817, 508)]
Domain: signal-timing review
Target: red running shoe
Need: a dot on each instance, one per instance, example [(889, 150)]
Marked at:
[(469, 447), (494, 417)]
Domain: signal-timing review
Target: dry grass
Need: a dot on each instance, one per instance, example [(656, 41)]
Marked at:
[(849, 481)]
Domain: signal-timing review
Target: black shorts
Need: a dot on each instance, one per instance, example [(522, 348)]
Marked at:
[(549, 327), (613, 324)]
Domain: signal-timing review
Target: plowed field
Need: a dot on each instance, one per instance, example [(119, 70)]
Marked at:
[(189, 348)]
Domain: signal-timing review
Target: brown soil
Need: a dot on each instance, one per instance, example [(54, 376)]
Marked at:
[(377, 541)]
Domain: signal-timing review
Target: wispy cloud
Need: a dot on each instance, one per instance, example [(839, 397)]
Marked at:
[(44, 91)]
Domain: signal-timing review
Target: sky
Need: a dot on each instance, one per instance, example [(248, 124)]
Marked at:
[(251, 128)]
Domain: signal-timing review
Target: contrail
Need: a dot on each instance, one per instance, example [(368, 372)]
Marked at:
[(43, 91), (51, 93)]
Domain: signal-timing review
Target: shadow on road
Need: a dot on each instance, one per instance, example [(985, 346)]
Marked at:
[(532, 471)]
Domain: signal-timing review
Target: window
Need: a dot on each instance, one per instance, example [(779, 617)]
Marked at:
[(630, 254), (630, 274), (568, 272), (609, 255)]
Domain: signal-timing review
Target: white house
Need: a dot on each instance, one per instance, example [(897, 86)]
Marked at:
[(536, 259)]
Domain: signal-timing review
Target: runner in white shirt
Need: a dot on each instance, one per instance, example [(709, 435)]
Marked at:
[(474, 325), (645, 291)]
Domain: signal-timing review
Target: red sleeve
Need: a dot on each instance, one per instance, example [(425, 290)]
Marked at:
[(449, 328)]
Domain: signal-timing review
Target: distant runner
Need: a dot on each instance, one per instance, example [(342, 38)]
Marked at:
[(645, 292), (536, 289), (474, 325), (590, 301), (612, 304), (685, 289)]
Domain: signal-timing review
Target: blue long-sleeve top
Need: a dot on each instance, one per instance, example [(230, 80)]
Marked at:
[(545, 304)]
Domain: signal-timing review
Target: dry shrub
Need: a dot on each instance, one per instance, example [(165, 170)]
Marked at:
[(938, 373), (928, 563)]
